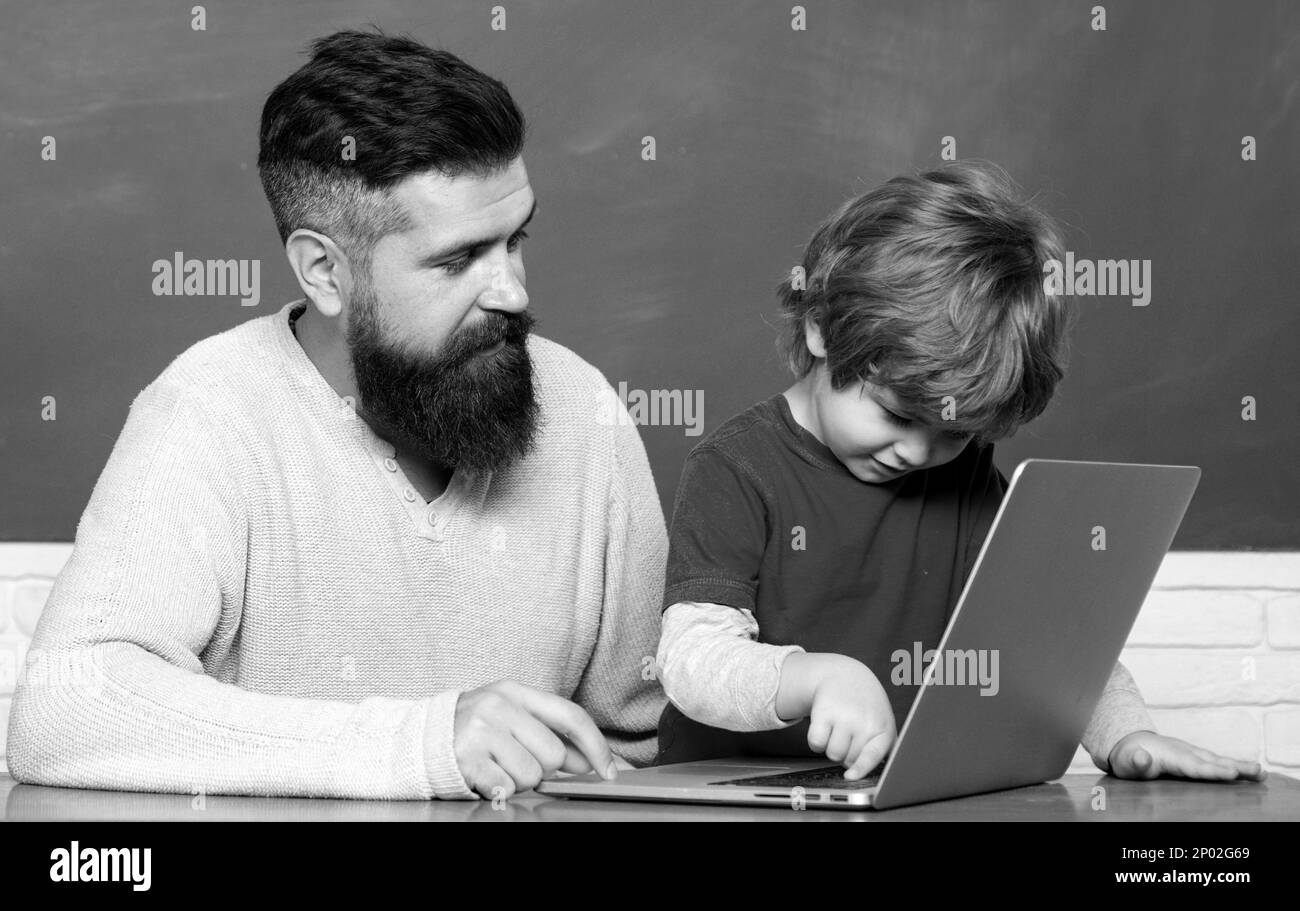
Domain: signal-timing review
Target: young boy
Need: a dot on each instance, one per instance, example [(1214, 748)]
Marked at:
[(823, 529)]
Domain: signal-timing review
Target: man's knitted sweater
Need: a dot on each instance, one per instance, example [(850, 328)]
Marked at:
[(258, 602)]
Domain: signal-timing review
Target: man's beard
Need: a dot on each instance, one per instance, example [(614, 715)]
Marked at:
[(458, 408)]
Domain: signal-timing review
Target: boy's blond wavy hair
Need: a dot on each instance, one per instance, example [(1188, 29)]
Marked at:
[(932, 286)]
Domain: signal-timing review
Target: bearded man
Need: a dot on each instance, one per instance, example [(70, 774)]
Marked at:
[(383, 543)]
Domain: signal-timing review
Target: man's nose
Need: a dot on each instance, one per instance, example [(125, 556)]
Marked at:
[(504, 291)]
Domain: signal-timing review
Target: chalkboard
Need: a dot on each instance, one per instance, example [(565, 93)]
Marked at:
[(662, 273)]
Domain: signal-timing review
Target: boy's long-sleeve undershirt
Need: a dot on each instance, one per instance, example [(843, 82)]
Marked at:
[(259, 603), (715, 672)]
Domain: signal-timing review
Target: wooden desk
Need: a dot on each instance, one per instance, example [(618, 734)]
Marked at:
[(1069, 799)]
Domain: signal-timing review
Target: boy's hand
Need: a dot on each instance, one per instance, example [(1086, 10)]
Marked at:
[(1146, 755), (851, 720)]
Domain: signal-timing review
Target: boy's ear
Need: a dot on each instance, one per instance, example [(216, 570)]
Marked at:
[(812, 334)]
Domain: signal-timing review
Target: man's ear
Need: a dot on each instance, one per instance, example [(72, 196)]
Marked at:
[(812, 334), (320, 266)]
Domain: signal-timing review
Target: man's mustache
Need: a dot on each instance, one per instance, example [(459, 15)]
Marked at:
[(513, 328)]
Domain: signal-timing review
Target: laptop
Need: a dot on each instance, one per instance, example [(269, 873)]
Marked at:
[(1048, 605)]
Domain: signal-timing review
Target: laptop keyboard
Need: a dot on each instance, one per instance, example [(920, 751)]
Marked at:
[(828, 777)]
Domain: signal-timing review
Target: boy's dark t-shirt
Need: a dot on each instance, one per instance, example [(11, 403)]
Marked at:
[(766, 518)]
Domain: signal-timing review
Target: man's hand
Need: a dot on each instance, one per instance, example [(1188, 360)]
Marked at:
[(850, 719), (508, 735), (1145, 755)]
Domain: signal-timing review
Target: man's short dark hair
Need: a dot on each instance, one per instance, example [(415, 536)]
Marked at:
[(408, 108)]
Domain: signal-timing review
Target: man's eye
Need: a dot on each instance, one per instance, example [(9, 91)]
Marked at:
[(460, 265)]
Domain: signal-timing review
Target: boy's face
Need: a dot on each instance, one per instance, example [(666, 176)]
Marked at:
[(874, 434)]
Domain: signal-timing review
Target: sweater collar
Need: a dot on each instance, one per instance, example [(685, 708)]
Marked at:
[(302, 370)]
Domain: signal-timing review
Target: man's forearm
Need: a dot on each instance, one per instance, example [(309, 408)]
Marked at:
[(140, 723)]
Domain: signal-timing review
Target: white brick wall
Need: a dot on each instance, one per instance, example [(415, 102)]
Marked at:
[(1216, 649), (26, 573)]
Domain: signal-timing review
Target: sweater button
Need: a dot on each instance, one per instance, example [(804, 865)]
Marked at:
[(409, 494), (390, 464)]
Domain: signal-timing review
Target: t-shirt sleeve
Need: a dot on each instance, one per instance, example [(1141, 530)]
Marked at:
[(719, 530)]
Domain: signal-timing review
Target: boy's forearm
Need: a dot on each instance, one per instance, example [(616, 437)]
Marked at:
[(715, 672), (1120, 711), (801, 672)]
